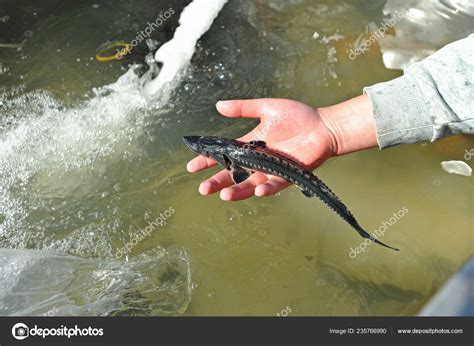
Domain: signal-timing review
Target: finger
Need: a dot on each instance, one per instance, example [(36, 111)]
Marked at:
[(243, 190), (242, 108), (271, 186), (216, 183), (199, 163)]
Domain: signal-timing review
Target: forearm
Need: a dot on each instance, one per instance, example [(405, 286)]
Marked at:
[(351, 124), (434, 99)]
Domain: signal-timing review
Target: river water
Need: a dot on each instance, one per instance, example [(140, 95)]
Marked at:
[(85, 168)]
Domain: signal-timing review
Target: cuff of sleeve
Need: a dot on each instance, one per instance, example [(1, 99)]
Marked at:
[(401, 114)]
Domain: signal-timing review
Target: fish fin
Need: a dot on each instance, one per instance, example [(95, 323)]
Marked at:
[(258, 144), (226, 162), (239, 174), (307, 193), (368, 236)]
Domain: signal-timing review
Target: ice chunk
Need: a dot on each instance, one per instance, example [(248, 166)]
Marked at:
[(414, 24), (176, 54), (457, 167), (37, 282)]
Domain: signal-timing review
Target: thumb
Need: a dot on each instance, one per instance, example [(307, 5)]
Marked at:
[(242, 108)]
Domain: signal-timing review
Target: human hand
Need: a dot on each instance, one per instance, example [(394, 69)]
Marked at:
[(289, 127), (292, 128)]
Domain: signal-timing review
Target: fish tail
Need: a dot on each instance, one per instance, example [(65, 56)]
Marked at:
[(364, 234)]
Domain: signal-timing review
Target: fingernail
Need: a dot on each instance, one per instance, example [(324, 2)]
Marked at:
[(205, 187), (188, 167), (258, 192), (225, 194), (223, 105)]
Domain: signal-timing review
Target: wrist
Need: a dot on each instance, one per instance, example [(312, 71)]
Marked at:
[(350, 125)]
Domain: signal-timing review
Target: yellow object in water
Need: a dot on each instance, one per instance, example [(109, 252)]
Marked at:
[(102, 51)]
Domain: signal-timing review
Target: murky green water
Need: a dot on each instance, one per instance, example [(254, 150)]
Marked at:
[(81, 174)]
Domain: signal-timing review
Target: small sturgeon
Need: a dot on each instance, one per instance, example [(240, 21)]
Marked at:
[(243, 159)]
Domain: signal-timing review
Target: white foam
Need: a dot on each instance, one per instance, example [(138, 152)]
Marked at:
[(176, 54), (49, 140)]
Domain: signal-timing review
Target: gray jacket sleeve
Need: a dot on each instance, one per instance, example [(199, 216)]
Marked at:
[(433, 99)]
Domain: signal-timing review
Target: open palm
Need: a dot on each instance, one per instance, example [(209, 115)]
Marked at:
[(288, 127)]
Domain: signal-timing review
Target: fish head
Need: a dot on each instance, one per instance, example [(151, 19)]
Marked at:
[(211, 146)]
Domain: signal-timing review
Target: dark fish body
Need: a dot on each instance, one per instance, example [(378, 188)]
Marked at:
[(242, 159)]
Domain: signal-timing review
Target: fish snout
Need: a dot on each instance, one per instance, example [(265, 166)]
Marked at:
[(192, 142)]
